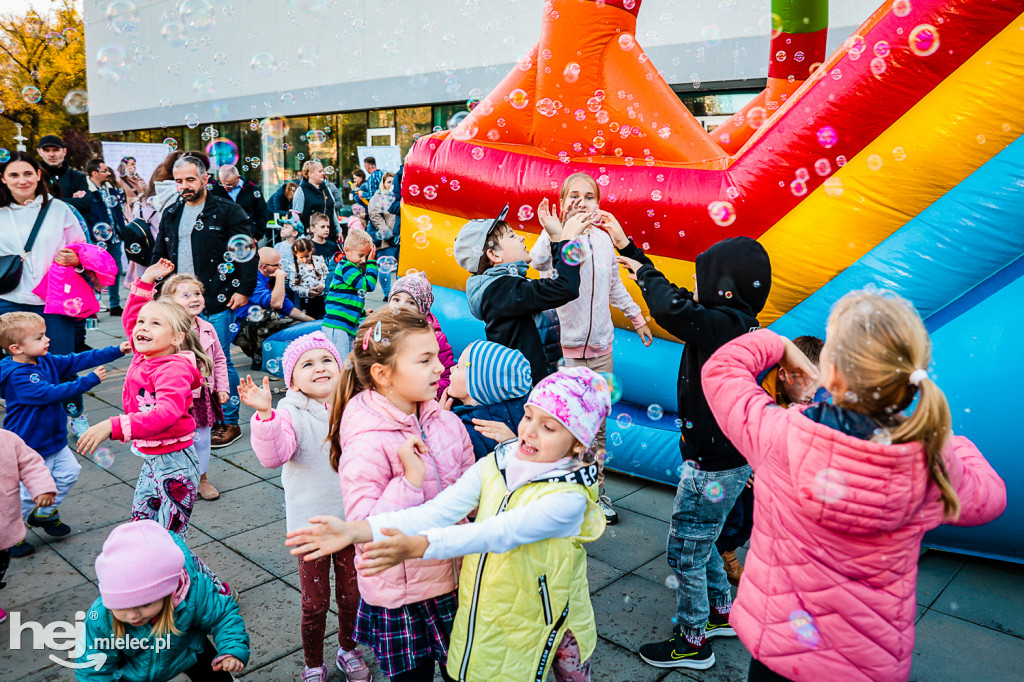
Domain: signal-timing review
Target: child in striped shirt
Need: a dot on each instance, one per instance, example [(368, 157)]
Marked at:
[(355, 275)]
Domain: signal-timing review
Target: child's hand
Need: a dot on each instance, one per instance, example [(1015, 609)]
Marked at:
[(259, 399), (630, 265), (44, 500), (223, 397), (610, 224), (126, 348), (409, 453), (496, 431), (445, 400), (795, 362), (158, 270), (327, 535), (575, 225), (397, 547), (548, 219), (100, 372), (229, 664), (93, 436), (644, 332)]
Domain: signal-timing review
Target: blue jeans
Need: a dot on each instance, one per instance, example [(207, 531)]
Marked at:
[(703, 501), (222, 322), (385, 277), (114, 290), (61, 330)]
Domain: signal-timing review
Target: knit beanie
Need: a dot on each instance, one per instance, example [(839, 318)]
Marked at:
[(578, 397), (299, 346), (417, 286), (495, 373), (140, 563)]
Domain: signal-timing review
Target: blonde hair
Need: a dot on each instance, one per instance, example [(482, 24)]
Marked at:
[(396, 325), (172, 283), (876, 340), (318, 218), (308, 165), (14, 327), (164, 624), (181, 322), (573, 178), (357, 238)]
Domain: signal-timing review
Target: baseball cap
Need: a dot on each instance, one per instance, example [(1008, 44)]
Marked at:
[(469, 245), (50, 141)]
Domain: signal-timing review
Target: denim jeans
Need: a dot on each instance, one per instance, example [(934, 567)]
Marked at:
[(62, 332), (222, 322), (739, 524), (385, 277), (703, 501)]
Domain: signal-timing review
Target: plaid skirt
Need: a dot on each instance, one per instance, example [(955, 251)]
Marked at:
[(409, 636)]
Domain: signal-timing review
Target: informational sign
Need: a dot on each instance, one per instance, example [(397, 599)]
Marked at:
[(389, 159), (147, 156)]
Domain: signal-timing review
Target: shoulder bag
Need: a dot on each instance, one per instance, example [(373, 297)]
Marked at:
[(10, 265)]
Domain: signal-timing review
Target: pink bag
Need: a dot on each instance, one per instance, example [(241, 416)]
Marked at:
[(68, 292)]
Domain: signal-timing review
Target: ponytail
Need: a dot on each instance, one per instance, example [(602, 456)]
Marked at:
[(347, 387)]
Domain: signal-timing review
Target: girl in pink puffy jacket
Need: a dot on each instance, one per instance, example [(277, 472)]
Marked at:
[(394, 447), (844, 492)]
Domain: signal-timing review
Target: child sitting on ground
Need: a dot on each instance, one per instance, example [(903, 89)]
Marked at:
[(19, 465), (536, 498), (294, 437), (34, 396), (307, 277), (152, 589), (492, 382), (499, 292), (731, 286), (415, 292), (355, 276), (845, 492)]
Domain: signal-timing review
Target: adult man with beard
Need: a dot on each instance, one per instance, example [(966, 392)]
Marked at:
[(194, 235), (66, 183)]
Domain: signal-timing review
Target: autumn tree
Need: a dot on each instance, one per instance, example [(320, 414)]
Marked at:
[(42, 59)]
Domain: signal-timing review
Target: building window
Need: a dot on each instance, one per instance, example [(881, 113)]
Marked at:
[(413, 123), (353, 128)]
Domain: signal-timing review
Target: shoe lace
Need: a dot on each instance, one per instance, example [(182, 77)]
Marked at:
[(604, 501)]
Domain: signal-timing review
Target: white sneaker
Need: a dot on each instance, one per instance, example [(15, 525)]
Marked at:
[(611, 517)]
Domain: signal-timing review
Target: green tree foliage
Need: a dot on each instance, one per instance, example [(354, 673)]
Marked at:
[(42, 59)]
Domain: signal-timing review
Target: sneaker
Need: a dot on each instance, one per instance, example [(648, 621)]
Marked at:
[(611, 517), (733, 567), (80, 425), (3, 615), (206, 489), (351, 663), (225, 435), (318, 674), (116, 311), (51, 524), (677, 652), (718, 626), (23, 548)]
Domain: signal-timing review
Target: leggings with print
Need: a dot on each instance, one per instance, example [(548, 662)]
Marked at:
[(166, 490), (315, 581), (567, 666)]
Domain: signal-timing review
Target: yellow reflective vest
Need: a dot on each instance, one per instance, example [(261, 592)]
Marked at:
[(515, 607)]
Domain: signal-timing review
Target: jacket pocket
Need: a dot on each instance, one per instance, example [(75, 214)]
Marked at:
[(545, 598)]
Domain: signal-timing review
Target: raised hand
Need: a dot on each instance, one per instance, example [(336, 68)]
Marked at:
[(630, 265), (158, 270), (326, 535), (575, 225), (256, 397), (496, 431), (100, 372), (610, 224), (548, 219)]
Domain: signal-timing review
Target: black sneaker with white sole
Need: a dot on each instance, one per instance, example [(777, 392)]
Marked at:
[(677, 652), (611, 517), (718, 626)]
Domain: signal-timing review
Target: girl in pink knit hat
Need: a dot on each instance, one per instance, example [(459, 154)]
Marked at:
[(157, 611), (523, 593), (294, 437)]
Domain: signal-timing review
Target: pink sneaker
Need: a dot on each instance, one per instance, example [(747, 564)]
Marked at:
[(318, 674), (352, 664)]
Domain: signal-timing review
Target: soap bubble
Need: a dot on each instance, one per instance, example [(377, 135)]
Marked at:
[(387, 264), (878, 66), (571, 72), (714, 491), (827, 137), (171, 143), (924, 40), (274, 128), (655, 412), (798, 188), (722, 213), (104, 458), (829, 485), (420, 239), (672, 582), (192, 120), (273, 366), (525, 212), (174, 33), (242, 248), (196, 14), (616, 439), (102, 232), (822, 167), (478, 153), (222, 152), (225, 268), (573, 253), (881, 48), (316, 137), (233, 328), (263, 63), (802, 624), (833, 187), (134, 248), (111, 62), (901, 8), (518, 98), (76, 102), (5, 155), (874, 162), (613, 386), (255, 314), (624, 421), (626, 41), (31, 94), (234, 400)]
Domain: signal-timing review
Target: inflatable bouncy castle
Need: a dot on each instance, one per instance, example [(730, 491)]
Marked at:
[(896, 161)]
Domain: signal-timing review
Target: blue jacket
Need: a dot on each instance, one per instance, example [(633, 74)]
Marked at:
[(509, 412), (35, 395), (204, 612), (261, 296)]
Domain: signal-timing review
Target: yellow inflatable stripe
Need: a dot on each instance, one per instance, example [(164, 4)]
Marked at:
[(955, 129)]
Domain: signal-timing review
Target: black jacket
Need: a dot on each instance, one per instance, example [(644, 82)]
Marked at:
[(508, 412), (316, 200), (65, 181), (222, 219), (250, 199), (510, 305), (733, 280), (95, 212)]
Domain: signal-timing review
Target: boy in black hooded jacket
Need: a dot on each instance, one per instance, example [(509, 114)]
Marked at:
[(732, 283)]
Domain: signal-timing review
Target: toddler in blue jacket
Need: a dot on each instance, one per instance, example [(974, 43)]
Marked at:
[(31, 386)]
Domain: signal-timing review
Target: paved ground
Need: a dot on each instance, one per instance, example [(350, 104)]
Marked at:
[(970, 611)]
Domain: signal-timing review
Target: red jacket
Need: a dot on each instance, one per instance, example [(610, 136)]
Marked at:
[(829, 582)]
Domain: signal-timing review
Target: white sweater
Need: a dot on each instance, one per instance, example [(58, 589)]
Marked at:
[(59, 228)]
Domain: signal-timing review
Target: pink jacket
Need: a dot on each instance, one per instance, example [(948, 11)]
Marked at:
[(445, 354), (19, 463), (211, 346), (68, 292), (829, 582), (373, 481), (157, 392)]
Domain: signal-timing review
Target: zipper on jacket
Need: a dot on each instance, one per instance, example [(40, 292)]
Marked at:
[(545, 599), (590, 313), (474, 603), (550, 644)]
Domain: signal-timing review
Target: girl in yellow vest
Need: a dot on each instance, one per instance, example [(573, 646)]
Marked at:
[(524, 602)]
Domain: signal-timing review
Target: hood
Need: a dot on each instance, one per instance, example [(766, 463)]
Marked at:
[(8, 368), (370, 412), (184, 359), (165, 194), (301, 401), (851, 485), (418, 287), (477, 284), (735, 273)]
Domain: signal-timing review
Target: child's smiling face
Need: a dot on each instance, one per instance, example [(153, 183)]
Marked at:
[(315, 374)]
